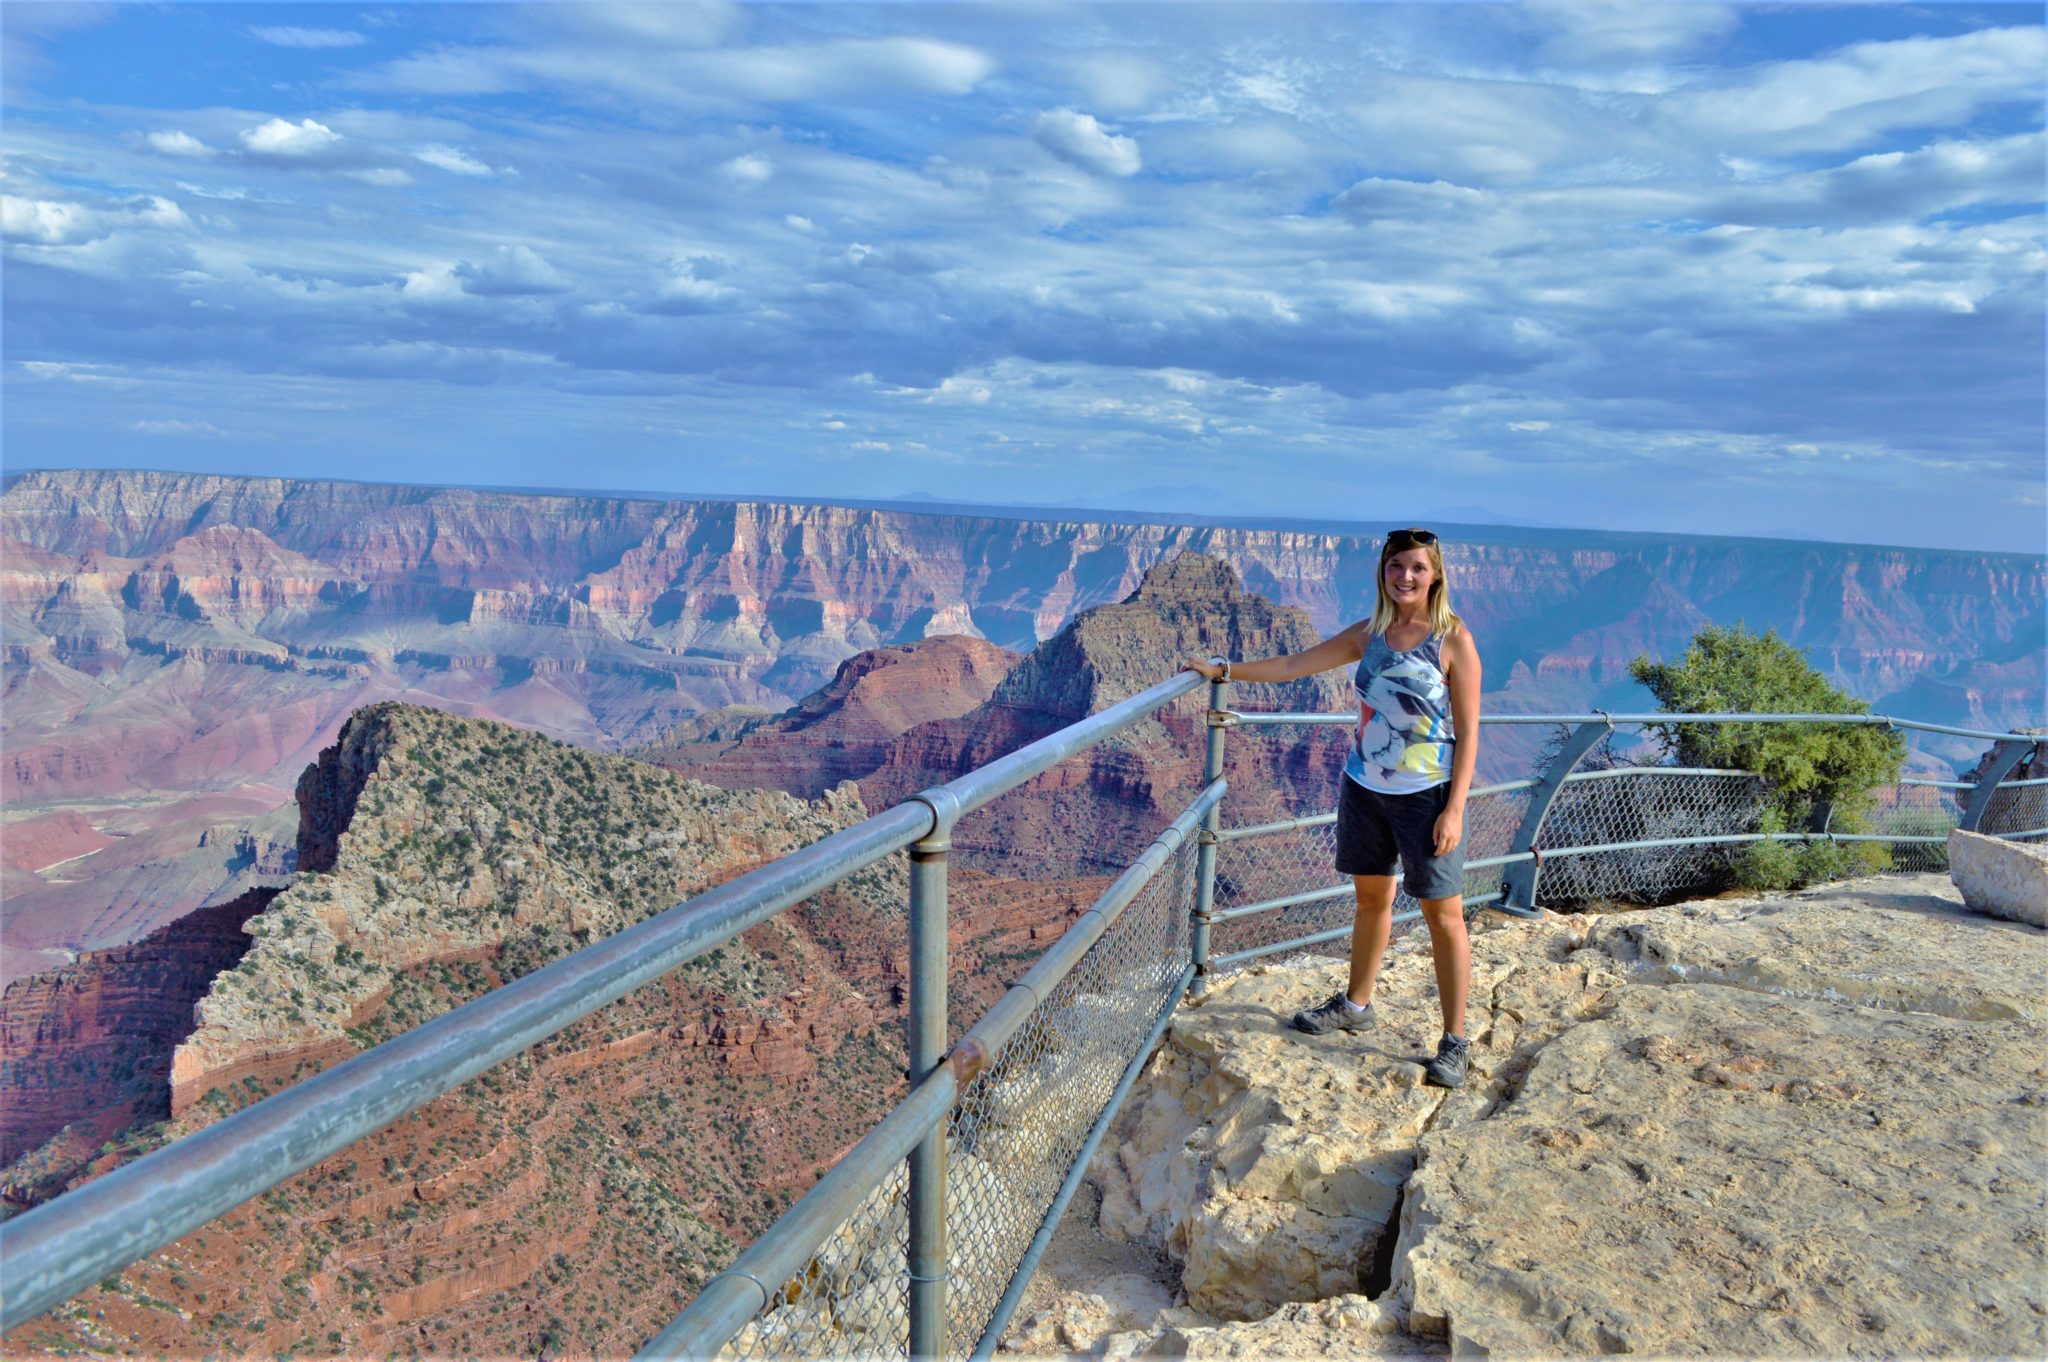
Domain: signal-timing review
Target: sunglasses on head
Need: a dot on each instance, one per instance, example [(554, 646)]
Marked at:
[(1424, 537)]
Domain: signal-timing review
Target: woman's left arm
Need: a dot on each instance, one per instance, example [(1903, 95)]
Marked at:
[(1461, 674)]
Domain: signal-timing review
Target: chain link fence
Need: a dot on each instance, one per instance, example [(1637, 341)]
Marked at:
[(1645, 804), (1616, 830), (1015, 1131), (1610, 800)]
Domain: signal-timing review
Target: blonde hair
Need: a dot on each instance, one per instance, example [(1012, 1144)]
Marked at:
[(1441, 616)]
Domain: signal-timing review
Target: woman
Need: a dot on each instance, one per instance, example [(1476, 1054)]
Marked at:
[(1405, 780)]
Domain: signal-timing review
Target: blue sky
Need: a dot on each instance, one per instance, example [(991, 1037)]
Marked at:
[(1691, 268)]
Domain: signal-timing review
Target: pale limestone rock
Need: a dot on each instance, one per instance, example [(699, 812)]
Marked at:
[(1999, 877), (1811, 1125), (1348, 1326), (1079, 1320), (1707, 1170), (1836, 946), (1267, 1163)]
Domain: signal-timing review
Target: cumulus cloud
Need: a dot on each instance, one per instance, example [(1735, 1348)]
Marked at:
[(1078, 139), (510, 272), (57, 222), (288, 36), (453, 160), (47, 222), (290, 141), (690, 286), (175, 143)]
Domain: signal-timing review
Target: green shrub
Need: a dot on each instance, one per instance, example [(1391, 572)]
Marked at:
[(1821, 775)]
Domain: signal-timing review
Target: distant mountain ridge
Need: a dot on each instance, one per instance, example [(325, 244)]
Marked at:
[(168, 636)]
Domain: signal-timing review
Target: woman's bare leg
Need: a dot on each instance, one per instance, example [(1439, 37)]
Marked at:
[(1369, 931), (1451, 950)]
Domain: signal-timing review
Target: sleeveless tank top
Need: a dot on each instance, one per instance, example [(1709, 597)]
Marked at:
[(1403, 740)]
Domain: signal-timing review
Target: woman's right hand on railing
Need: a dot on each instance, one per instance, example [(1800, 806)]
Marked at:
[(1209, 670)]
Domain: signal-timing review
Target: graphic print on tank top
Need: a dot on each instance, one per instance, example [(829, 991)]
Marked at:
[(1403, 739)]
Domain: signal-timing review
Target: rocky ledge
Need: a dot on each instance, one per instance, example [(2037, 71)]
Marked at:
[(1810, 1125)]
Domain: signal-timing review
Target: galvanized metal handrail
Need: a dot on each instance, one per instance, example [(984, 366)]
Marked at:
[(1256, 719), (55, 1250), (59, 1248), (52, 1252), (741, 1291)]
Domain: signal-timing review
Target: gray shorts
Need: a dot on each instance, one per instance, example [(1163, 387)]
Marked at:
[(1375, 830)]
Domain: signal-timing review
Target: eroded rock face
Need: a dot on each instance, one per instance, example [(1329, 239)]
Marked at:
[(1805, 1126), (1707, 1170)]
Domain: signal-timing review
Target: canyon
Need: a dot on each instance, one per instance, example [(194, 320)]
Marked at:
[(203, 751), (617, 1162), (178, 647)]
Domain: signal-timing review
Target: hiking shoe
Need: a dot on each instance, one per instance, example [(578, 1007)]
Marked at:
[(1453, 1057), (1337, 1014)]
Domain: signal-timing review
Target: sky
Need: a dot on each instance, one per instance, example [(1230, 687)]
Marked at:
[(1691, 268)]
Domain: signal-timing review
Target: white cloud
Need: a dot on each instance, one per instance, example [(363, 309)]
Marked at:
[(46, 222), (1528, 425), (849, 68), (1847, 98), (291, 140), (175, 143), (53, 222), (691, 286), (288, 36), (797, 222), (70, 372), (387, 177), (510, 271), (452, 159), (1079, 140), (436, 284), (748, 172), (1598, 31)]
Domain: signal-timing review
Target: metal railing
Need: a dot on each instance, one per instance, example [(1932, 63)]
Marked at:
[(920, 1241)]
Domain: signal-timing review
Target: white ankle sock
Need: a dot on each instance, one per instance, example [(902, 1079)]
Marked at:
[(1354, 1006)]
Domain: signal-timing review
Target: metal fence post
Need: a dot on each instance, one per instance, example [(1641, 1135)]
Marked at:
[(925, 1039), (1212, 822), (1518, 881), (2005, 755)]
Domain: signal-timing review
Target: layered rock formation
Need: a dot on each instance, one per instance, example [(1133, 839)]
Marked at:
[(85, 1051), (171, 634), (1090, 814), (1095, 811), (619, 1161), (844, 729), (1807, 1126)]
